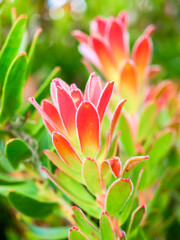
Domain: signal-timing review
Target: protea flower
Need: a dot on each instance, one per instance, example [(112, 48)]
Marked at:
[(75, 119), (107, 48)]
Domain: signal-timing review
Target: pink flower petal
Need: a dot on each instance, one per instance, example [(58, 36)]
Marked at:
[(50, 124), (88, 125), (77, 96), (80, 36), (53, 114), (104, 99), (122, 17), (115, 34), (90, 55), (67, 110), (97, 26), (105, 57), (93, 89), (57, 82)]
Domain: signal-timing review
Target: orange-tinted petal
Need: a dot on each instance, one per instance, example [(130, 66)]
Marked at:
[(115, 34), (53, 114), (115, 165), (104, 99), (87, 121), (129, 85), (66, 151), (141, 54), (105, 57), (77, 96), (67, 110)]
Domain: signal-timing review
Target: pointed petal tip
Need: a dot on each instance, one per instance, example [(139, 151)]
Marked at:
[(91, 159), (45, 151), (73, 228), (146, 157), (22, 16), (22, 54), (111, 83), (39, 31), (31, 99), (75, 207), (125, 180), (150, 29), (105, 213), (43, 169), (122, 235)]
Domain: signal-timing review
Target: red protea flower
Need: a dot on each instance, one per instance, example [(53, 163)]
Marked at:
[(74, 119), (107, 48)]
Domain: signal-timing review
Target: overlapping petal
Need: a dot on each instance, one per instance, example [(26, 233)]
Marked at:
[(88, 126)]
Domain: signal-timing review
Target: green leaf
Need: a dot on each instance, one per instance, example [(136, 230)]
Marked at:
[(70, 187), (11, 46), (49, 233), (75, 234), (84, 225), (106, 172), (29, 206), (6, 179), (59, 163), (146, 120), (13, 88), (136, 179), (113, 147), (117, 195), (160, 147), (105, 226), (126, 135), (28, 188), (76, 192), (16, 151), (42, 93), (136, 219), (91, 174), (32, 50)]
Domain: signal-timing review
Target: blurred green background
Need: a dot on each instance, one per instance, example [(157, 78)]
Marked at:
[(59, 17)]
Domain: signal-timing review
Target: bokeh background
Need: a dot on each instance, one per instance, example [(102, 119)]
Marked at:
[(57, 47), (57, 18)]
